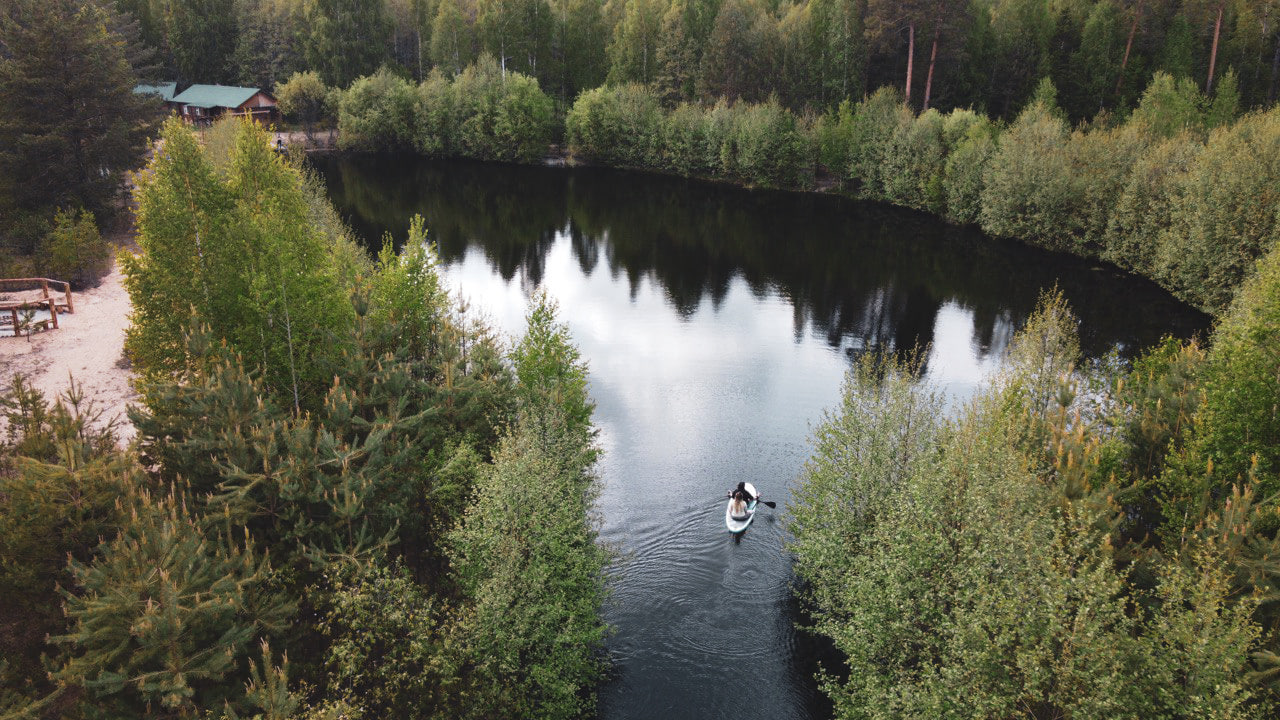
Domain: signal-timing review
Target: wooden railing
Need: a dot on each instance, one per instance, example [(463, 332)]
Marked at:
[(47, 301)]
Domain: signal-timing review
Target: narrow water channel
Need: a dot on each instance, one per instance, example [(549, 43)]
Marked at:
[(718, 324)]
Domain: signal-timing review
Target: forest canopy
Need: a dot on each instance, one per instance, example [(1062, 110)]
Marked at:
[(316, 519)]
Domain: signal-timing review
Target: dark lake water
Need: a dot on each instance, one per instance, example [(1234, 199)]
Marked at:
[(718, 324)]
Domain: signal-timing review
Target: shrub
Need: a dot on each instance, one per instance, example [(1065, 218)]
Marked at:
[(1029, 189), (305, 97), (619, 126), (74, 250), (966, 168), (436, 121), (1146, 203), (1236, 436), (1101, 161), (767, 150), (1225, 218), (684, 142), (834, 138), (875, 121), (500, 116), (377, 113), (914, 162)]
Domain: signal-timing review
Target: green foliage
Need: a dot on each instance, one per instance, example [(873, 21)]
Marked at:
[(386, 656), (526, 556), (483, 113), (1145, 208), (305, 97), (965, 567), (436, 117), (61, 481), (1225, 215), (528, 562), (617, 125), (74, 250), (254, 269), (406, 296), (633, 51), (501, 116), (833, 134), (268, 688), (451, 38), (345, 39), (914, 162), (377, 113), (765, 147), (1102, 163), (1160, 395), (166, 611), (1236, 436), (875, 121), (202, 38), (1030, 190), (549, 369), (1170, 106), (885, 428), (686, 142), (70, 124), (756, 144), (966, 167), (738, 54)]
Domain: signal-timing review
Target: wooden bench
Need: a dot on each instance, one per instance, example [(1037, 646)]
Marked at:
[(53, 302)]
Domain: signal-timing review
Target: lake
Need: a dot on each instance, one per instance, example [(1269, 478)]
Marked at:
[(718, 324)]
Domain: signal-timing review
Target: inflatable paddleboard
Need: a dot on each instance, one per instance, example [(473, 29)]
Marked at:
[(736, 525)]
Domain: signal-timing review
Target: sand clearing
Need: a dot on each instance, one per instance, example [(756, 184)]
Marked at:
[(88, 345)]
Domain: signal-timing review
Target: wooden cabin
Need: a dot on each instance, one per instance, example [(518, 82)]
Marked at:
[(202, 104)]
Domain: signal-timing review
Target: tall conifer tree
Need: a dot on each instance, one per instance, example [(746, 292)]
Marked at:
[(70, 123)]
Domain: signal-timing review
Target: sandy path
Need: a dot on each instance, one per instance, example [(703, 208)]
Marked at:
[(88, 345)]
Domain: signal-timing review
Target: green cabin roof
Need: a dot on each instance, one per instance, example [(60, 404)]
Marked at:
[(164, 90), (211, 96)]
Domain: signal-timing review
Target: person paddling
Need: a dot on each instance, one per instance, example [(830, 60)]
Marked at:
[(741, 497)]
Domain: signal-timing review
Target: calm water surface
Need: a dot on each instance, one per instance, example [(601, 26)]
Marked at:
[(718, 324)]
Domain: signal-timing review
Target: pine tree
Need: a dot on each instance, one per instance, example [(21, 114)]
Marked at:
[(166, 612), (70, 123), (202, 35)]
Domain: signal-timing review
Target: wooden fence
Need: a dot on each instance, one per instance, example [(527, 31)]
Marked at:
[(55, 302)]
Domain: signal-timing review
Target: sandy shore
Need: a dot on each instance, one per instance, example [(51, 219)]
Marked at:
[(88, 345)]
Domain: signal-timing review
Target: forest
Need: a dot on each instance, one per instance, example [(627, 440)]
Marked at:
[(986, 55), (332, 465), (322, 516)]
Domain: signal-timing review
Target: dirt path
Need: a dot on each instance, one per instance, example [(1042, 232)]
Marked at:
[(88, 345)]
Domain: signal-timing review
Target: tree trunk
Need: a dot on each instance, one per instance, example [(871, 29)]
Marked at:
[(1133, 30), (1275, 68), (928, 79), (911, 56), (1213, 54)]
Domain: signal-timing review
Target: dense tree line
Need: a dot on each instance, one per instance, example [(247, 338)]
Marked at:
[(327, 511), (1181, 191), (1074, 542), (984, 54)]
